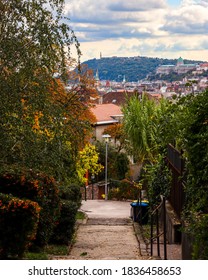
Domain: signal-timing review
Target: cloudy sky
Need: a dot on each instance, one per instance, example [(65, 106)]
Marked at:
[(161, 28)]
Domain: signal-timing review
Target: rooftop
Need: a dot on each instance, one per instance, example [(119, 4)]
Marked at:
[(106, 112)]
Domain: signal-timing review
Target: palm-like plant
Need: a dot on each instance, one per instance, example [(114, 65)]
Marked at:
[(141, 125)]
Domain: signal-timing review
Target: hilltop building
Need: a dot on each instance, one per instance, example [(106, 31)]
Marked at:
[(179, 68)]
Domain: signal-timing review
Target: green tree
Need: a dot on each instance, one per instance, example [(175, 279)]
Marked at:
[(118, 162), (42, 125)]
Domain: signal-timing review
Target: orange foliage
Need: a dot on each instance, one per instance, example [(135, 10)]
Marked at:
[(115, 131), (75, 104)]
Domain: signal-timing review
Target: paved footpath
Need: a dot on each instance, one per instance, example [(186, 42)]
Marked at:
[(107, 234)]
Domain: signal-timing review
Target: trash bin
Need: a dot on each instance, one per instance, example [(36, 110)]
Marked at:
[(139, 212)]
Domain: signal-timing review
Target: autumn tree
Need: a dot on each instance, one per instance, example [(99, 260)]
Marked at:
[(117, 133), (88, 162), (42, 124), (82, 83)]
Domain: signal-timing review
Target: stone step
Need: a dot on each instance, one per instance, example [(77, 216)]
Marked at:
[(109, 221)]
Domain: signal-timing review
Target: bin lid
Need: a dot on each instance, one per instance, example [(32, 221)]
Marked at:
[(135, 204), (143, 200)]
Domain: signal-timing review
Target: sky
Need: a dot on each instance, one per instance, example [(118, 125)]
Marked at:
[(127, 28)]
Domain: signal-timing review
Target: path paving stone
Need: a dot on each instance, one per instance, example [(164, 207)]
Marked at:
[(108, 233), (105, 241)]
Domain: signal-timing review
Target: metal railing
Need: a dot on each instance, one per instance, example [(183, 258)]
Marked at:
[(160, 230)]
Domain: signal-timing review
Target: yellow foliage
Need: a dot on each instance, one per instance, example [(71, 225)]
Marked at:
[(88, 161)]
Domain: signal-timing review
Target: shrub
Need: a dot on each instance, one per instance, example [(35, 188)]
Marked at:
[(40, 188), (18, 225), (64, 230), (71, 192), (124, 190), (197, 229), (195, 133), (70, 202), (158, 178)]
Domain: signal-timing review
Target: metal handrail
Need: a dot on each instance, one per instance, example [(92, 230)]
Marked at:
[(158, 207), (158, 233)]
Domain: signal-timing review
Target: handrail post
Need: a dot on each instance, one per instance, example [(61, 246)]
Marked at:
[(151, 236), (158, 234), (140, 206), (155, 219), (164, 228)]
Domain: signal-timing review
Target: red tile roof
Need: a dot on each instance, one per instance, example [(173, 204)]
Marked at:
[(104, 112), (118, 98)]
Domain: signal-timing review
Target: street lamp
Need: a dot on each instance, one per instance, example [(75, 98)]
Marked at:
[(92, 181), (106, 138)]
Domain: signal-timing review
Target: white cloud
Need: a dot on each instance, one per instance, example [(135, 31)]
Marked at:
[(129, 28), (187, 19), (135, 5)]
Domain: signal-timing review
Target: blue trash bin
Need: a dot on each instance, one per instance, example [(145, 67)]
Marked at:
[(139, 212)]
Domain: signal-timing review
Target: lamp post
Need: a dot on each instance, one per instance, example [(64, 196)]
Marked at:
[(106, 138), (92, 178)]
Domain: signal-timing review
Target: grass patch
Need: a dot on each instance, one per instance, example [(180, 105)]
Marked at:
[(146, 232), (80, 215), (35, 256), (52, 249), (57, 249)]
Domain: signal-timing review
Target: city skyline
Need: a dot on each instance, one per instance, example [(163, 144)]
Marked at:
[(163, 28)]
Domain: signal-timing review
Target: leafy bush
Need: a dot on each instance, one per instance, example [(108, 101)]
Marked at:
[(65, 228), (18, 225), (158, 178), (37, 187), (124, 190), (70, 202), (195, 212), (71, 192), (197, 228)]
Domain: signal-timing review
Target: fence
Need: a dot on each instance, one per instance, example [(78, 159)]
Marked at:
[(176, 164)]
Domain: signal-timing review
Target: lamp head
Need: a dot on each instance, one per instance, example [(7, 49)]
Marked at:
[(106, 137)]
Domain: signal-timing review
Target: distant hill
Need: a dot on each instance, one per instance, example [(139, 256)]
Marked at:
[(133, 68)]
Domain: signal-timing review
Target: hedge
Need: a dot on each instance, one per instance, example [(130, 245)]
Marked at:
[(124, 190), (71, 192), (70, 202), (63, 232), (40, 188), (18, 225)]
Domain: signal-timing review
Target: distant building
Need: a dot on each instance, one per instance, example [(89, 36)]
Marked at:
[(97, 79), (106, 115), (203, 67), (116, 97), (179, 68), (165, 69)]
